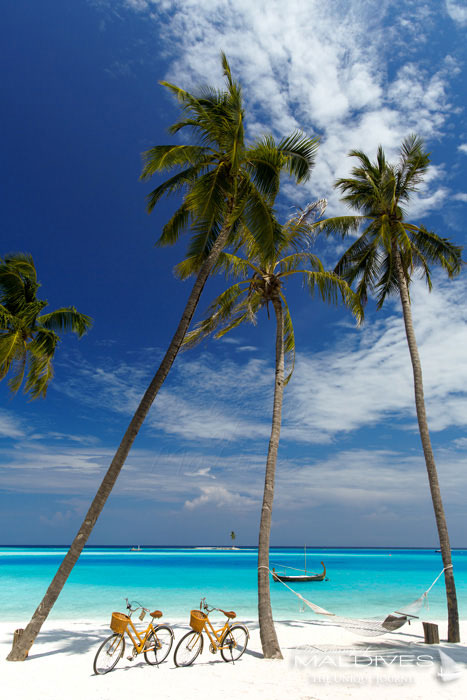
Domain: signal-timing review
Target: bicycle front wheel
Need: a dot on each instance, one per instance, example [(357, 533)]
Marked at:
[(159, 644), (234, 643), (188, 648), (109, 654)]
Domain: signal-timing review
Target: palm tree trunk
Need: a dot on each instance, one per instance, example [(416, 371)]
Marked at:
[(269, 643), (21, 647), (453, 614)]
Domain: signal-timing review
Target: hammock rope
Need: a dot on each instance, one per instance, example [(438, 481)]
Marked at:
[(370, 626)]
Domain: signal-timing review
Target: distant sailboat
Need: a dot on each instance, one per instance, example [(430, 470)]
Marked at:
[(136, 549), (449, 669)]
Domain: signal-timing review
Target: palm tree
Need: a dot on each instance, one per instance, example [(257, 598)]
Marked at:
[(262, 283), (383, 260), (28, 337), (224, 181)]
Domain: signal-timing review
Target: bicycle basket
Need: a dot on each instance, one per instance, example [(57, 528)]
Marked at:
[(197, 620), (119, 622)]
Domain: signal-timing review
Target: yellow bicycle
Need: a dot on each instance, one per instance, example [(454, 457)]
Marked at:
[(231, 639), (155, 642)]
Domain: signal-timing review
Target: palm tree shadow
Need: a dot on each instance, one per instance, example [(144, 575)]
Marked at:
[(67, 642)]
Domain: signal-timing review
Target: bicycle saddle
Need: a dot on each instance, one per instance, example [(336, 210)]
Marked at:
[(229, 614), (156, 613)]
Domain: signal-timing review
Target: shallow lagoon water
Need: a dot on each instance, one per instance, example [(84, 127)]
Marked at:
[(362, 582)]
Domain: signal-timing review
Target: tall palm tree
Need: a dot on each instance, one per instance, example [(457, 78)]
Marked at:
[(262, 283), (224, 182), (383, 260), (28, 337)]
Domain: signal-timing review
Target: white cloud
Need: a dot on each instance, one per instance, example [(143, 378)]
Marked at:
[(322, 67), (364, 380), (220, 497), (10, 426), (463, 147), (201, 472), (457, 11), (364, 479), (460, 196), (370, 380)]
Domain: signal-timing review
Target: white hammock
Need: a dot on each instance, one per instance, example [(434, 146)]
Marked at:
[(374, 626)]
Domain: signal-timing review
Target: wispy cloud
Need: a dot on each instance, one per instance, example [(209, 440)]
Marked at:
[(364, 479), (10, 425), (365, 379), (368, 379), (343, 70)]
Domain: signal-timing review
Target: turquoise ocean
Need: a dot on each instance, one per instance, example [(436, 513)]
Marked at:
[(362, 582)]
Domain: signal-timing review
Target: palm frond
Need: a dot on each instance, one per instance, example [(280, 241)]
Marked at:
[(299, 152), (12, 348), (387, 283), (235, 267), (177, 183), (340, 225), (222, 308), (292, 263), (66, 319), (333, 289), (264, 162), (44, 343), (39, 376), (262, 224), (413, 164), (7, 319), (289, 341), (175, 226), (437, 250), (167, 157)]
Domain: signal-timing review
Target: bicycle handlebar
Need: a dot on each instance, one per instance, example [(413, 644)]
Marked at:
[(139, 606), (206, 607)]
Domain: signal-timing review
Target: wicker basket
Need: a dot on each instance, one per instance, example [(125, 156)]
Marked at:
[(119, 622), (197, 620)]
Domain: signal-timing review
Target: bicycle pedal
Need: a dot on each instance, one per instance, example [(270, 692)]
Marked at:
[(130, 658)]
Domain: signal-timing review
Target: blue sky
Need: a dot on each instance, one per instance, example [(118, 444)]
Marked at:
[(81, 102)]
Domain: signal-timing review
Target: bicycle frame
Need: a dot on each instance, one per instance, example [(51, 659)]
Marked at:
[(218, 634), (142, 639)]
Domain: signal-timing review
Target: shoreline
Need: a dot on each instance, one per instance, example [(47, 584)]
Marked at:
[(434, 548), (321, 660)]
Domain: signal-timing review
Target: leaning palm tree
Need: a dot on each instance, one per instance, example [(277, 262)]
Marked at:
[(262, 278), (224, 181), (384, 260), (29, 337)]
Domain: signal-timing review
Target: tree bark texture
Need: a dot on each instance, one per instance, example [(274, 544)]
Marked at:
[(21, 648), (269, 642), (453, 614)]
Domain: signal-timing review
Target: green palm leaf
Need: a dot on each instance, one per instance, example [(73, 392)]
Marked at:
[(27, 337)]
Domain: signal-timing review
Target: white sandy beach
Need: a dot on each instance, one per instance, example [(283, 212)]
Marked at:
[(320, 661)]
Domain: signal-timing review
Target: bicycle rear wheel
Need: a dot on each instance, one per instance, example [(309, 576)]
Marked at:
[(188, 648), (109, 654), (234, 643), (159, 644)]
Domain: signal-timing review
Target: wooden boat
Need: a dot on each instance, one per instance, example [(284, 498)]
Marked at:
[(136, 549), (299, 578)]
